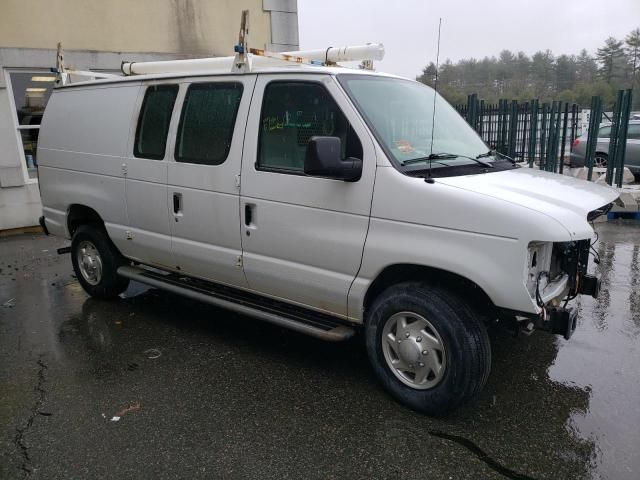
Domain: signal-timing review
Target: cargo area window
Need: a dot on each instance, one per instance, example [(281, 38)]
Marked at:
[(292, 113), (153, 121), (207, 121)]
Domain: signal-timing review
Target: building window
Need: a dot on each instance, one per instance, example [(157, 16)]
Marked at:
[(31, 91)]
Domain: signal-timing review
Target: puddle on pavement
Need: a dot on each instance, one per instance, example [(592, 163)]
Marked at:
[(603, 357)]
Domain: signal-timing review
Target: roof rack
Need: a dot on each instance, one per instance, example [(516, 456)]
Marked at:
[(256, 58), (245, 60), (248, 58), (63, 74)]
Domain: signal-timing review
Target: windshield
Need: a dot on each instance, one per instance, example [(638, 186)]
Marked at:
[(400, 113)]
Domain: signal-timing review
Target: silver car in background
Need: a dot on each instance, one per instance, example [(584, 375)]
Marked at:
[(632, 155)]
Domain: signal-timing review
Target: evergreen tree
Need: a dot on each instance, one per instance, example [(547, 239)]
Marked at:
[(448, 75), (587, 67), (566, 72), (542, 71), (612, 60), (546, 77), (428, 76), (468, 72), (633, 52), (505, 70)]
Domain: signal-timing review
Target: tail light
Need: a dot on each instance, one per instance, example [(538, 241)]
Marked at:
[(575, 143)]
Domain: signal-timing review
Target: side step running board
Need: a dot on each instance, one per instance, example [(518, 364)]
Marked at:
[(325, 329)]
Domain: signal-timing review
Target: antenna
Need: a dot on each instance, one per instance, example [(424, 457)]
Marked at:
[(435, 92)]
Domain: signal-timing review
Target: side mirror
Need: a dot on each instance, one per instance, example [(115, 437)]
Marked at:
[(323, 158)]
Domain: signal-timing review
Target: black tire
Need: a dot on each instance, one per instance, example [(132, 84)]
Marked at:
[(110, 284), (466, 346)]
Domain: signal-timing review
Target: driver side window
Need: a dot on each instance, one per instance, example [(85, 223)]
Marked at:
[(292, 113)]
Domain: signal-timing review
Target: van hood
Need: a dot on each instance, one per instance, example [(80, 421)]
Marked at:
[(566, 199)]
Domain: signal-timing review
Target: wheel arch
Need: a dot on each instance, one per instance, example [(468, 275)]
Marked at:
[(79, 214), (403, 272)]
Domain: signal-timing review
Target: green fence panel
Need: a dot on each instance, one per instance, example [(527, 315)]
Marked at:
[(563, 140), (592, 136), (623, 130), (533, 136), (613, 139), (543, 135)]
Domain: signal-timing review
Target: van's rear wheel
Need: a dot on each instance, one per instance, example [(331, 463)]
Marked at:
[(427, 347), (95, 262)]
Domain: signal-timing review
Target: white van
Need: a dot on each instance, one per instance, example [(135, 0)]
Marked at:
[(322, 200)]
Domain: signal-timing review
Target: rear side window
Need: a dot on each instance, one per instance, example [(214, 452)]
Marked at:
[(207, 121), (605, 132), (634, 131), (292, 113), (153, 121)]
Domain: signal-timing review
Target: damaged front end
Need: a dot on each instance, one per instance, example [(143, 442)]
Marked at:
[(556, 273), (565, 279)]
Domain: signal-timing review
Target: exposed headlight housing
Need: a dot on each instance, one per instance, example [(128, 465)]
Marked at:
[(538, 261), (555, 270)]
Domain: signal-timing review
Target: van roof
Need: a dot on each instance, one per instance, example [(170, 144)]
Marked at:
[(293, 69)]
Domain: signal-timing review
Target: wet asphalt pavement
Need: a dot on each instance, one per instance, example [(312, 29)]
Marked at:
[(203, 393)]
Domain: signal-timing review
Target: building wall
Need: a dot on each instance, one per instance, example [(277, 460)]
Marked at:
[(100, 34), (195, 27)]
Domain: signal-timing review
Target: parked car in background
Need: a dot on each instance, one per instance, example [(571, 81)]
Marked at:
[(632, 154)]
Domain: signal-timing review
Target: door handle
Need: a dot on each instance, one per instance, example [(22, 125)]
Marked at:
[(249, 215), (177, 203)]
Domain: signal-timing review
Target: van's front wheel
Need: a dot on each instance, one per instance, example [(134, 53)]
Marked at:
[(427, 347), (95, 262)]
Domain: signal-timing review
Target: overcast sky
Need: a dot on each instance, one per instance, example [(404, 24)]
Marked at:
[(470, 28)]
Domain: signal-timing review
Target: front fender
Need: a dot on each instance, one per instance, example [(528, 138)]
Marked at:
[(495, 264)]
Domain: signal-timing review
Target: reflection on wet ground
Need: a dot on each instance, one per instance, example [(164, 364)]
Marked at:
[(603, 357), (200, 392)]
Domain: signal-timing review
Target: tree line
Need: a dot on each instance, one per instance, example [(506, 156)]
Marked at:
[(570, 78)]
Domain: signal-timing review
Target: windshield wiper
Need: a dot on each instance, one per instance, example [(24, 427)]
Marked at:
[(444, 156), (432, 156), (495, 153)]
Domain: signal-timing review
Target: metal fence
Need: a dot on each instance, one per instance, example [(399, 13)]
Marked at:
[(617, 138), (526, 131), (543, 134)]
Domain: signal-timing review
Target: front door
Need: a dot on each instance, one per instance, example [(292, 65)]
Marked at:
[(204, 178), (302, 236)]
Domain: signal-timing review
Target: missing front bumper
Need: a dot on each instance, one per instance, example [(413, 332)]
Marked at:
[(589, 285), (555, 320), (560, 321)]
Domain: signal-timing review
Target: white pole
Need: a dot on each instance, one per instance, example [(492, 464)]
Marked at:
[(371, 51), (374, 51)]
